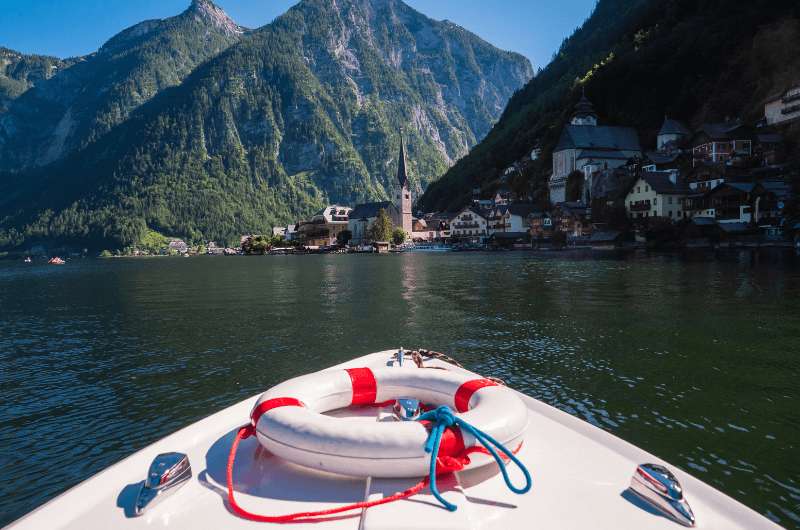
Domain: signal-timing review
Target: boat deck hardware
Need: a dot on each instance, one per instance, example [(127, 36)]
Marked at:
[(167, 473), (658, 486)]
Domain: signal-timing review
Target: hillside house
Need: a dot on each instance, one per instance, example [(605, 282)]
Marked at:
[(573, 218), (509, 218), (672, 136), (783, 107), (721, 143)]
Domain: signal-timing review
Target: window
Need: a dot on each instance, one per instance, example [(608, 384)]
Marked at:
[(638, 189), (646, 188), (670, 213), (670, 200), (655, 201)]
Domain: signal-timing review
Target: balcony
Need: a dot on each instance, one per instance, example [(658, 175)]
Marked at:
[(791, 98), (640, 206), (465, 226)]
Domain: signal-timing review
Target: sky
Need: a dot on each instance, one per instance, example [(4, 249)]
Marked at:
[(65, 28)]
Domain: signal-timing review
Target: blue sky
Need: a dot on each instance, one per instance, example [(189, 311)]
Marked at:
[(65, 28)]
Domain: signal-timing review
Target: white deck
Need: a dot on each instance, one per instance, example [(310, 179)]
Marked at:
[(580, 477)]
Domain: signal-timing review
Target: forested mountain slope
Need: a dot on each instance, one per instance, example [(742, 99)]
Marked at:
[(695, 60)]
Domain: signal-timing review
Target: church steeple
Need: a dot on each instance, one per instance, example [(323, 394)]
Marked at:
[(404, 194), (402, 175), (584, 112)]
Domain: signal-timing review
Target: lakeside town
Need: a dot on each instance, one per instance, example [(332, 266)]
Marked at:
[(723, 185)]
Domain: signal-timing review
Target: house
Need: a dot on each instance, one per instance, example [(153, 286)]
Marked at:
[(658, 161), (510, 240), (470, 224), (437, 227), (672, 136), (573, 218), (509, 218), (324, 227), (783, 107), (656, 194), (363, 216), (584, 146), (721, 143), (178, 245), (541, 225)]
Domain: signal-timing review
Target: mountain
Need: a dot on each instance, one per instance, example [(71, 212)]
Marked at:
[(19, 72), (72, 105), (637, 60), (304, 111)]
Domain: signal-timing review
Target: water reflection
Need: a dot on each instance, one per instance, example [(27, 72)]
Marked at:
[(693, 358)]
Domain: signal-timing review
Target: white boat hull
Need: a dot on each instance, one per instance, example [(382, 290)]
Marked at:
[(580, 474)]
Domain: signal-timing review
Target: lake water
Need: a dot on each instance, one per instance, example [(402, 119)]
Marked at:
[(695, 359)]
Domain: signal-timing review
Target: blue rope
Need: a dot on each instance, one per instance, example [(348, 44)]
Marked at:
[(443, 418)]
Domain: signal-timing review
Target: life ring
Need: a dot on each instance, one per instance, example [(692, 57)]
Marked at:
[(289, 421)]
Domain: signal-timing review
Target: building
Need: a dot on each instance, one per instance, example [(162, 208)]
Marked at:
[(403, 197), (178, 245), (470, 224), (573, 218), (657, 195), (783, 107), (721, 143), (324, 227), (363, 216), (541, 225), (584, 146), (507, 218), (672, 136)]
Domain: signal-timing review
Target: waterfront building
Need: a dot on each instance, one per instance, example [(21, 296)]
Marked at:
[(178, 245), (508, 218), (573, 218), (325, 226), (658, 194), (470, 224), (783, 107), (587, 147), (541, 225), (364, 215)]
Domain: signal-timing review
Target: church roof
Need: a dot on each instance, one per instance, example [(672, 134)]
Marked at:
[(371, 209), (599, 138), (671, 126), (584, 108), (402, 175)]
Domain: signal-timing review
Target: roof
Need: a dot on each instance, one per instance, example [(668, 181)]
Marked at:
[(521, 209), (721, 131), (584, 108), (673, 127), (599, 138), (661, 183), (781, 189), (746, 187), (605, 235), (602, 155), (371, 209), (402, 176), (662, 158)]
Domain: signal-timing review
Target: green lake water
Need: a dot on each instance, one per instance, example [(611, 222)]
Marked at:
[(694, 358)]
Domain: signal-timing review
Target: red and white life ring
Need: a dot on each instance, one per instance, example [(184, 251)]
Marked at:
[(289, 420)]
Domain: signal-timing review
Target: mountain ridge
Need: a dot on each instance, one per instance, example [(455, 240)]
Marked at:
[(300, 112)]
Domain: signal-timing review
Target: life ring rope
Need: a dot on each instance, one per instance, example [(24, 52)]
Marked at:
[(445, 443)]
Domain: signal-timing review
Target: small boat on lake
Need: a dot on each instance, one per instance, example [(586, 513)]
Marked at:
[(28, 259), (350, 447), (56, 261)]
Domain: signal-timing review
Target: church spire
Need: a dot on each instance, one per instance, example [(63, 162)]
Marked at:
[(402, 175)]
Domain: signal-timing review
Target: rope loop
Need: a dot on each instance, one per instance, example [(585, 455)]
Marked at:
[(442, 418)]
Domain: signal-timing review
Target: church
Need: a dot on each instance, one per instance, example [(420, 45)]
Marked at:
[(588, 147), (363, 215)]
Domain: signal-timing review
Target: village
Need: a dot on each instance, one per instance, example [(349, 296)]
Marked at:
[(721, 185)]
